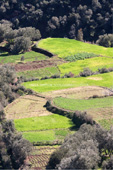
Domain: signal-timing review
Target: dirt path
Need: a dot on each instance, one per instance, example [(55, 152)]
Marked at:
[(80, 92), (26, 106)]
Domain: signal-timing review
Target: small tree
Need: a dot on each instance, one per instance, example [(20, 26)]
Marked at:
[(21, 44), (80, 35)]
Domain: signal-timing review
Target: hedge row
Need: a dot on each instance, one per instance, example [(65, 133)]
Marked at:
[(77, 117)]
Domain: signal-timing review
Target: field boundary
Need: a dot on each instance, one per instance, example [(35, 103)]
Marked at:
[(76, 116), (43, 51)]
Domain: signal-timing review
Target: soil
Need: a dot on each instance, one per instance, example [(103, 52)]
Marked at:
[(38, 64), (80, 92)]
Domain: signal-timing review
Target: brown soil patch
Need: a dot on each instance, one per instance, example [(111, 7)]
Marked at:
[(95, 78), (26, 106), (80, 92), (101, 113), (38, 64)]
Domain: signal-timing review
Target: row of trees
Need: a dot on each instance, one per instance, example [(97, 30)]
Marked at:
[(13, 148), (60, 18), (89, 148)]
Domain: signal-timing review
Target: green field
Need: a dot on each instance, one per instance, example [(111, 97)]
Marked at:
[(75, 104), (39, 73), (64, 47), (43, 123), (44, 128), (93, 63), (104, 80), (47, 135), (28, 56)]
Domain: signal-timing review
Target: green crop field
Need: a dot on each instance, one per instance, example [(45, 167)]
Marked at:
[(44, 128), (93, 63), (64, 47), (43, 123), (39, 73), (28, 56), (104, 80), (75, 104), (46, 135)]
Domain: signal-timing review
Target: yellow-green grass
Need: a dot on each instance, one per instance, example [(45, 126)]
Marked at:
[(64, 47), (101, 109), (76, 104), (39, 73), (93, 63), (43, 123), (46, 135), (28, 56), (104, 80)]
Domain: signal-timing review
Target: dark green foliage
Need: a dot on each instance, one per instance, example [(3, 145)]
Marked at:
[(105, 40), (60, 18), (13, 148), (80, 56), (86, 149)]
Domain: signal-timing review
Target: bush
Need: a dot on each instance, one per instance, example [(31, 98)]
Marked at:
[(105, 40), (86, 72)]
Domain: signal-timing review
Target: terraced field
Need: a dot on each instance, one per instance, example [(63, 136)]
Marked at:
[(42, 86), (26, 106), (28, 56), (31, 117), (93, 63), (64, 47), (39, 157)]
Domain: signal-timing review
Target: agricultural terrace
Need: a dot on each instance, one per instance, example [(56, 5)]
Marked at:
[(45, 128), (40, 72), (93, 63), (5, 57), (101, 109), (42, 86), (64, 47)]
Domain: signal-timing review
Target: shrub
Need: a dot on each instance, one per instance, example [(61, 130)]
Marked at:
[(105, 40), (86, 72), (80, 56), (103, 70)]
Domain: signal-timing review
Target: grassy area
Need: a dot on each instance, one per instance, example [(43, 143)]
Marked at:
[(47, 135), (39, 73), (75, 104), (104, 80), (64, 47), (93, 63), (28, 56), (43, 123), (106, 123)]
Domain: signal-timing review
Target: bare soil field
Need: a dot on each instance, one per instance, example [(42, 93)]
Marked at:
[(80, 92), (101, 113), (38, 64), (26, 106)]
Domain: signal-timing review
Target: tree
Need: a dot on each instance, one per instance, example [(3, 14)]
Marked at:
[(21, 44), (80, 35)]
